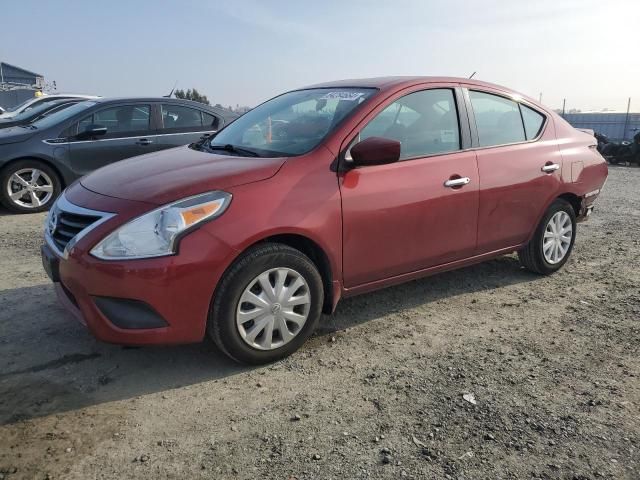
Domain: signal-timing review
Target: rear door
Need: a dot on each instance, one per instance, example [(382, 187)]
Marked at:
[(129, 133), (182, 124), (519, 165)]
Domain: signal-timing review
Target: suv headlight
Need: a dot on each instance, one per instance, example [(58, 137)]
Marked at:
[(157, 233)]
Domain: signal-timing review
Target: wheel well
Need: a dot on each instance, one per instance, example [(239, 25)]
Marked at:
[(63, 184), (317, 255), (574, 200)]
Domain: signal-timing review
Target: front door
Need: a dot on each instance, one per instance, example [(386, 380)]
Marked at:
[(416, 213), (128, 134)]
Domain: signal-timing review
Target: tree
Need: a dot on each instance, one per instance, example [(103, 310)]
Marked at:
[(192, 94)]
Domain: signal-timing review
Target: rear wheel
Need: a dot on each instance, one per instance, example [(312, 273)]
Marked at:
[(551, 245), (28, 186), (266, 305)]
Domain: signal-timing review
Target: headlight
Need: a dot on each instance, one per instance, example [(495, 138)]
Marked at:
[(156, 233)]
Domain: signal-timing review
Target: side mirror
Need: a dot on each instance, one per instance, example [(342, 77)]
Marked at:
[(375, 151), (91, 131)]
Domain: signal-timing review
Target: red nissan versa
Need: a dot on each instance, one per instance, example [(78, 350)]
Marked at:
[(317, 194)]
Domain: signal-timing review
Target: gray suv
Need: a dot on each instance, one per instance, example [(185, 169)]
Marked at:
[(38, 160)]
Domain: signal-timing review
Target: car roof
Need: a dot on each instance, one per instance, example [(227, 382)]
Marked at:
[(66, 95), (399, 82), (178, 101), (59, 101), (385, 83)]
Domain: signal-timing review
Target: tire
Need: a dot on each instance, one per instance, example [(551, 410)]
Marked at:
[(533, 257), (46, 188), (273, 260)]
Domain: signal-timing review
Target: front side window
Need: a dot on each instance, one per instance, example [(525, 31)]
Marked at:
[(497, 118), (120, 120), (424, 122), (533, 121), (293, 123)]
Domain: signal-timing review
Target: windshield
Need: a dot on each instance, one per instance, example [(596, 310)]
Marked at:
[(62, 115), (35, 111), (291, 124)]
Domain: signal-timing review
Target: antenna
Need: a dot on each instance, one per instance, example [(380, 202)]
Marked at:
[(171, 92), (471, 76)]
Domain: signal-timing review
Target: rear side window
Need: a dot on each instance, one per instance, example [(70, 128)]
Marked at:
[(179, 118), (532, 121), (497, 118), (209, 120), (424, 122)]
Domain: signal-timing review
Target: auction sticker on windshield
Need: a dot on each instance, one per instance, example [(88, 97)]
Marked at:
[(342, 96)]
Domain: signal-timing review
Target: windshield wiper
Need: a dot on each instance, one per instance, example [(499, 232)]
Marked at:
[(233, 149), (28, 125)]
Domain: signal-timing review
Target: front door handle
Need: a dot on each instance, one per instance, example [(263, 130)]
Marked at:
[(551, 167), (457, 182), (144, 141)]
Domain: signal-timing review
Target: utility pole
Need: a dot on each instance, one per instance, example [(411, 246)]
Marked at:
[(564, 104), (540, 98), (626, 120)]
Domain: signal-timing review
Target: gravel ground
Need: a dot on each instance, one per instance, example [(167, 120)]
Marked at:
[(486, 372)]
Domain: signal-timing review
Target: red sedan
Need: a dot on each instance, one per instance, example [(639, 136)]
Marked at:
[(317, 194)]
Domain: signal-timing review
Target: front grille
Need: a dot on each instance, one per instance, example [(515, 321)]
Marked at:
[(69, 225)]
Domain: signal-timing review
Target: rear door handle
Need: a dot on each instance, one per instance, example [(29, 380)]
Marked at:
[(144, 141), (457, 182), (552, 167)]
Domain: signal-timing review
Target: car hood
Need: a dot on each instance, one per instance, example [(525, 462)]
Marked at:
[(169, 175), (15, 134)]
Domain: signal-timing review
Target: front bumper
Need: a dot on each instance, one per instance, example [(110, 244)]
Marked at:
[(172, 294)]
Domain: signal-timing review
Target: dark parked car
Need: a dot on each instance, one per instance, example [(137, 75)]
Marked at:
[(318, 194), (38, 160), (36, 113)]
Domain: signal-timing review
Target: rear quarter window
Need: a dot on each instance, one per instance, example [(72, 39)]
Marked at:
[(533, 121)]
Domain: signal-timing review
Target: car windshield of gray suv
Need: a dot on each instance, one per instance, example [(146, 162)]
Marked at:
[(60, 116), (289, 125)]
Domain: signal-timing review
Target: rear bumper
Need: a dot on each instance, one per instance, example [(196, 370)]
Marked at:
[(585, 213), (587, 205)]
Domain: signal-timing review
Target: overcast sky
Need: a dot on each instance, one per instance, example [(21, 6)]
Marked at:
[(245, 51)]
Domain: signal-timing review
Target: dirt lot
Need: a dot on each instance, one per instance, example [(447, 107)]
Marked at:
[(552, 363)]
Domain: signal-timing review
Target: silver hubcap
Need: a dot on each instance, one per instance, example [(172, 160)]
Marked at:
[(30, 188), (557, 237), (273, 308)]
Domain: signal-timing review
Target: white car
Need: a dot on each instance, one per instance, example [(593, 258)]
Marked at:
[(32, 102)]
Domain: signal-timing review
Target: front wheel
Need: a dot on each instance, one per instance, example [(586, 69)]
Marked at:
[(551, 245), (266, 305), (28, 186)]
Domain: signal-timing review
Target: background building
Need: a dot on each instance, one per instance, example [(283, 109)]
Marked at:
[(617, 126), (17, 84)]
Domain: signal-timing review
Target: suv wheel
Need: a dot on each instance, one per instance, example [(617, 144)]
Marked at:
[(551, 245), (266, 305), (28, 186)]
